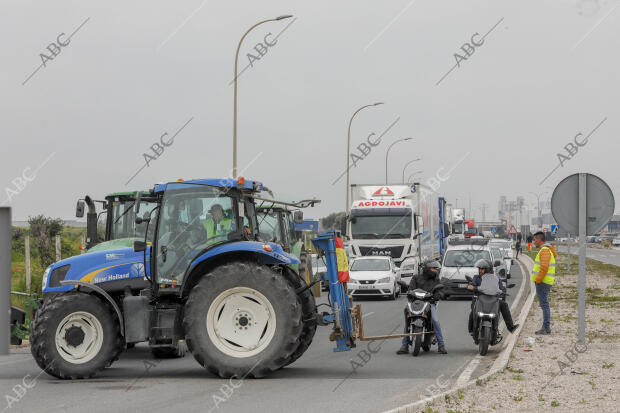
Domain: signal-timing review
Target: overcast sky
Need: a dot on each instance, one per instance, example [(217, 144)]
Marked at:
[(133, 71)]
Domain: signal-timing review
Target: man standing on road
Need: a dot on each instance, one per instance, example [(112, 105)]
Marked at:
[(543, 275), (529, 242), (518, 248), (427, 281)]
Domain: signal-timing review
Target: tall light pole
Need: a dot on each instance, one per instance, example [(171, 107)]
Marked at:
[(387, 153), (412, 175), (407, 164), (349, 148), (538, 195), (234, 171)]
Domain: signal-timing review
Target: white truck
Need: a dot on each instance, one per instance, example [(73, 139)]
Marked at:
[(457, 224), (400, 221)]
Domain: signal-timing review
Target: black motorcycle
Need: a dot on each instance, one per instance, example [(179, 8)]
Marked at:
[(418, 316), (486, 314)]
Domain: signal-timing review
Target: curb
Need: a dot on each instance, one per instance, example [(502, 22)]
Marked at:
[(502, 360)]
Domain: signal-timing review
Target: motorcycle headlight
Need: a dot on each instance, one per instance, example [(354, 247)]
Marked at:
[(383, 280), (44, 279)]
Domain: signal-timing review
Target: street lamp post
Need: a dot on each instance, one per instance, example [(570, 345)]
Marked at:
[(234, 171), (387, 154), (407, 164), (349, 148), (412, 175), (538, 195)]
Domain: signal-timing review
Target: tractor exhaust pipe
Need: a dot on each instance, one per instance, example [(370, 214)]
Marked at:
[(91, 223)]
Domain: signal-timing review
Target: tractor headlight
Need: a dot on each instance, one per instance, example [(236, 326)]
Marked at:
[(383, 280), (44, 279)]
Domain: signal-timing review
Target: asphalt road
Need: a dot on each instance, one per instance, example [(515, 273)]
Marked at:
[(321, 380), (608, 256)]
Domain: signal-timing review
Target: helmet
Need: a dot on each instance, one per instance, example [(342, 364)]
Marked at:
[(433, 264), (483, 264)]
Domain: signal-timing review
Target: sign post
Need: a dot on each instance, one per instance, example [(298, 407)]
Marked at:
[(582, 204), (568, 270), (5, 278)]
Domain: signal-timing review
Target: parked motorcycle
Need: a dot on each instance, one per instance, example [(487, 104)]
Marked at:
[(418, 316), (486, 314)]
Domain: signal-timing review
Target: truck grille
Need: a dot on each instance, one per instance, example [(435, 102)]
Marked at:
[(394, 252)]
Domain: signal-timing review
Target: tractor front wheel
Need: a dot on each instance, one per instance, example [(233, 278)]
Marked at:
[(243, 320), (75, 335)]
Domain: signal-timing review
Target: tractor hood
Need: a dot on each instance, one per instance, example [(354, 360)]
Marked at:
[(96, 267), (114, 244)]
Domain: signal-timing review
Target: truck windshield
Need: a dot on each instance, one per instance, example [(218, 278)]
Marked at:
[(379, 227), (370, 265), (464, 258), (457, 228), (192, 217)]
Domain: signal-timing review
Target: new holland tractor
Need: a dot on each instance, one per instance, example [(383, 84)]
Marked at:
[(204, 279)]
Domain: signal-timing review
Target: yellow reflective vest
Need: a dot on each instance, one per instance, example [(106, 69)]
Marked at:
[(550, 276), (220, 229)]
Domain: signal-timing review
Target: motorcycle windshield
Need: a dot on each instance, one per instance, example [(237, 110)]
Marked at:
[(487, 304)]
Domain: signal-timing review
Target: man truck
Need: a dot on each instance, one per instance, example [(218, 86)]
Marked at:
[(400, 221)]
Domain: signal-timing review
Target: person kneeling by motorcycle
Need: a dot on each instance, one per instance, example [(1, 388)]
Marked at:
[(426, 281), (489, 288)]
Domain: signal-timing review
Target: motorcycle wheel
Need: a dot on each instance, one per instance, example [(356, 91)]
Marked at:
[(426, 345), (417, 341), (485, 336)]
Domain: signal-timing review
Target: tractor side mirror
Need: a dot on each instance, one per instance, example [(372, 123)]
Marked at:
[(497, 263), (79, 209), (139, 246), (137, 203), (298, 217), (420, 222)]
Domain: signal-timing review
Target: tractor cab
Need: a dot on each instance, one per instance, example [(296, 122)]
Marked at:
[(114, 226)]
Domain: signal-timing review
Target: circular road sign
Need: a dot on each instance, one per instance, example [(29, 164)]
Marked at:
[(600, 204)]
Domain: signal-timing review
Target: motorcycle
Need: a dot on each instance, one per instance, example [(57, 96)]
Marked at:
[(486, 314), (418, 316)]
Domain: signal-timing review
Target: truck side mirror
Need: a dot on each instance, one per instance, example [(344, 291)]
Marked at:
[(420, 222), (298, 217), (497, 263), (79, 209)]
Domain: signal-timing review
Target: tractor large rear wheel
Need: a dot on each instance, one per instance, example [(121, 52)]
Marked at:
[(308, 306), (242, 320), (75, 335)]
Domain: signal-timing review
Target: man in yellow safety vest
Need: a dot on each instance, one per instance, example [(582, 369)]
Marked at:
[(543, 275), (218, 226)]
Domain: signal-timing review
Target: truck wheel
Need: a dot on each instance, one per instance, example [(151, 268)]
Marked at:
[(74, 336), (308, 306), (242, 320), (172, 352)]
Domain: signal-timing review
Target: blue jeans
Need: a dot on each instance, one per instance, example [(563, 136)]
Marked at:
[(436, 327), (542, 292)]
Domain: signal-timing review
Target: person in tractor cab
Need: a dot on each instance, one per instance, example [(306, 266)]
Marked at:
[(218, 226), (427, 281), (490, 285)]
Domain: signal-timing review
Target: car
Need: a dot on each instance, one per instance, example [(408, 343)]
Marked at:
[(459, 262), (499, 255), (373, 276), (616, 241), (319, 269), (505, 246)]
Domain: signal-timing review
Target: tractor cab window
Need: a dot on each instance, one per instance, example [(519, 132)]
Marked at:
[(192, 217), (269, 226), (123, 218)]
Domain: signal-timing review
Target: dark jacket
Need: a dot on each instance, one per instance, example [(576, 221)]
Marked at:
[(529, 238), (477, 281), (426, 281)]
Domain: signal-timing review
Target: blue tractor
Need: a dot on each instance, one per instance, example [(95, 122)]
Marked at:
[(205, 279)]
